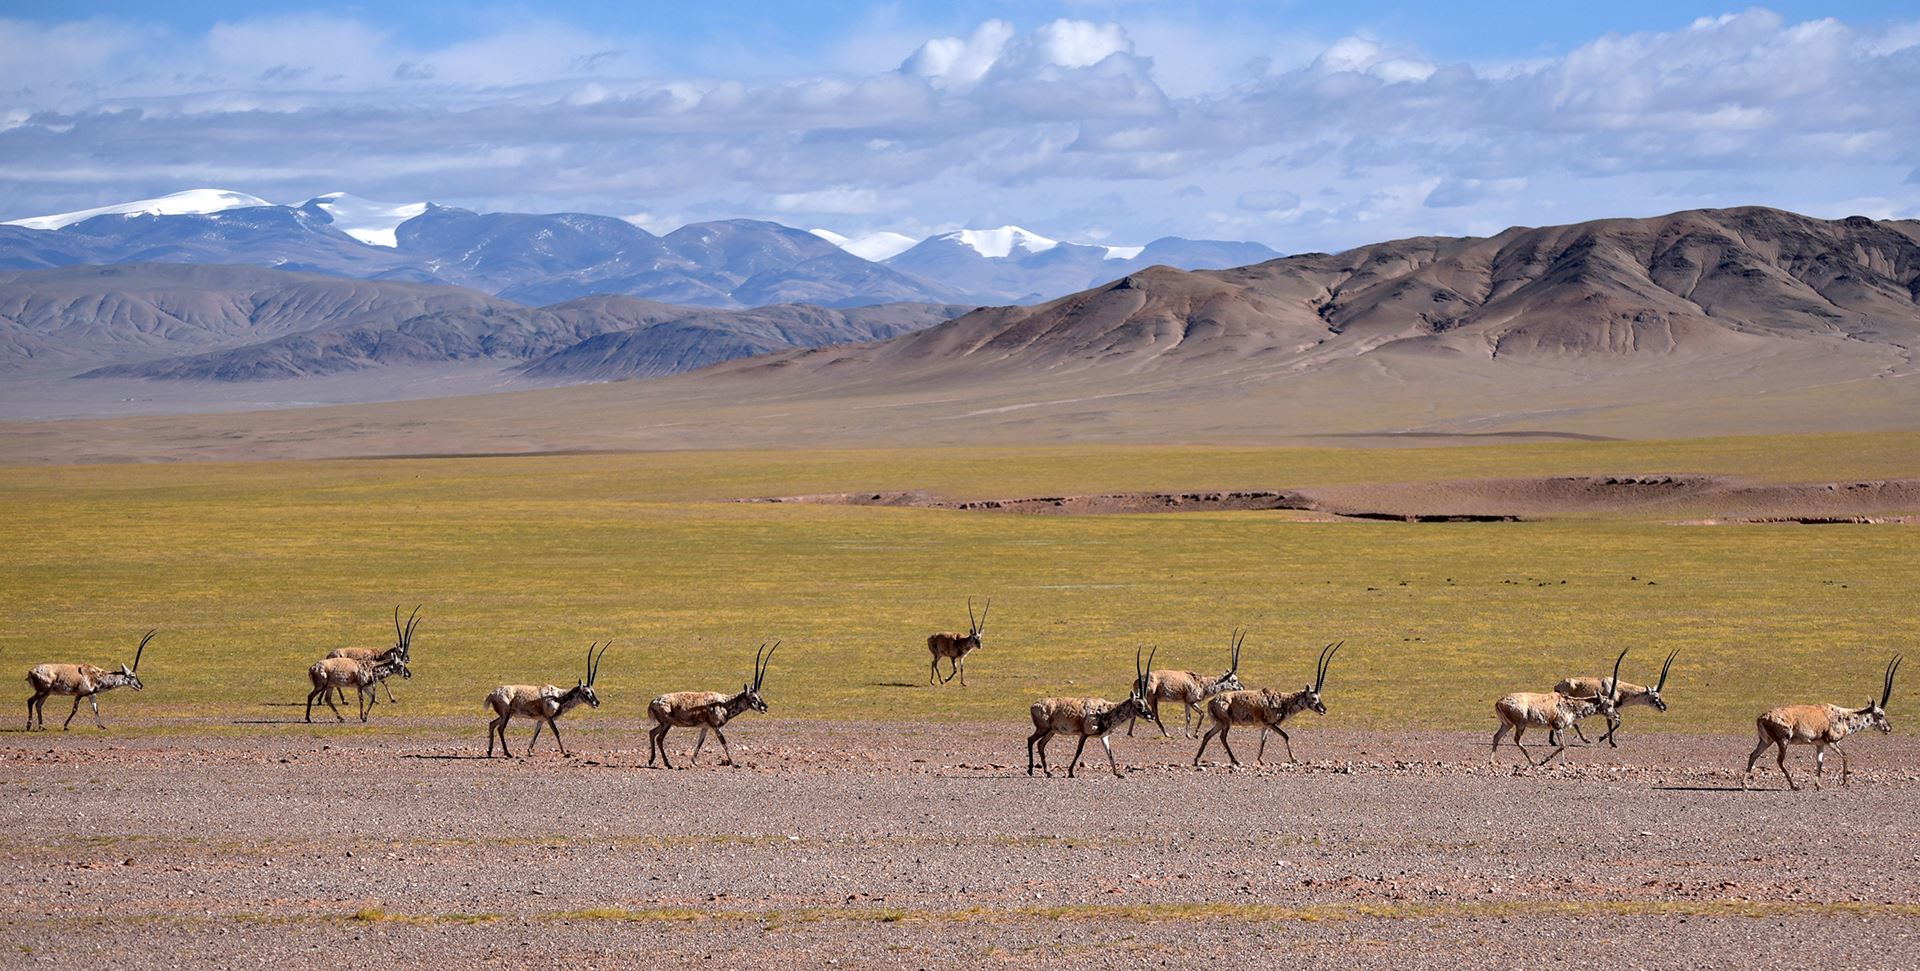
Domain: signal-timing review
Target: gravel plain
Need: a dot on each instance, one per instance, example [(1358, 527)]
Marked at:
[(920, 845)]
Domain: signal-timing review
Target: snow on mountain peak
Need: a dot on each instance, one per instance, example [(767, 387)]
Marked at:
[(370, 222), (996, 244), (1125, 252), (874, 247), (189, 202)]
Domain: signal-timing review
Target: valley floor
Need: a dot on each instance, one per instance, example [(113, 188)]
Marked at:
[(921, 844)]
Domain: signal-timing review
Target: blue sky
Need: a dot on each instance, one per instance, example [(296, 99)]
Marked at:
[(1303, 125)]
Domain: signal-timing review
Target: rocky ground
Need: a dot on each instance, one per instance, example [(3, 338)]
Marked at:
[(920, 845)]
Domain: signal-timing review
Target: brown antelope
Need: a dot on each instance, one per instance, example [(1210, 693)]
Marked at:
[(402, 648), (955, 647), (1821, 726), (330, 673), (1551, 710), (705, 710), (1192, 690), (1267, 708), (81, 681), (1087, 718), (1630, 694), (542, 703)]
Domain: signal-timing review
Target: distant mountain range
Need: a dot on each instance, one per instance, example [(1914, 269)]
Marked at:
[(538, 259)]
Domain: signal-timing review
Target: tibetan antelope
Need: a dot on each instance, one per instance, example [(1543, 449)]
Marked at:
[(328, 674), (1267, 708), (1551, 710), (955, 647), (1192, 690), (543, 703), (1821, 726), (1630, 694), (705, 710), (1087, 718), (81, 681), (402, 648)]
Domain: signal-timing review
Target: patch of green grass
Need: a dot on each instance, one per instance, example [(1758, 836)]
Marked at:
[(251, 572)]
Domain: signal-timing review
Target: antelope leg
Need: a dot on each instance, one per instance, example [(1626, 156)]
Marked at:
[(726, 752), (697, 743), (76, 710), (1115, 766), (555, 727), (1076, 756)]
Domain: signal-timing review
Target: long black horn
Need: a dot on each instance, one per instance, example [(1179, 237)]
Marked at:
[(1616, 675), (593, 662), (142, 649), (972, 625), (399, 637), (1239, 637), (1664, 668), (983, 616), (760, 666), (590, 648), (1326, 661), (412, 622), (1886, 693)]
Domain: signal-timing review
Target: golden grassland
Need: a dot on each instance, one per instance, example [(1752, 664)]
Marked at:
[(251, 571)]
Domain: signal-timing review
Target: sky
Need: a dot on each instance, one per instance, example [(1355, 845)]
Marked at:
[(1303, 125)]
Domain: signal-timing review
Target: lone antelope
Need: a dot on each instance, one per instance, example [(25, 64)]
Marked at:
[(1087, 718), (1552, 710), (81, 681), (542, 703), (402, 648), (1191, 690), (706, 710), (1822, 726), (955, 647), (1267, 708), (328, 674), (1630, 694)]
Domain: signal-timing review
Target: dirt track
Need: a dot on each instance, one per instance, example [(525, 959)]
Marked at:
[(928, 845)]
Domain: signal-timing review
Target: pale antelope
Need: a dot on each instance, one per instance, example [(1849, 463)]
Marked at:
[(330, 673), (402, 648), (1191, 689), (1630, 694), (1551, 710), (955, 647), (541, 702), (1087, 718), (1821, 726), (1267, 708), (81, 681), (705, 710)]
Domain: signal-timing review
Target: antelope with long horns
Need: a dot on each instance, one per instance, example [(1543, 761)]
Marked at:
[(1087, 718), (1821, 726), (1267, 708), (1630, 694), (1552, 711), (954, 648), (402, 648), (82, 681), (328, 674), (1191, 689), (705, 710), (541, 702)]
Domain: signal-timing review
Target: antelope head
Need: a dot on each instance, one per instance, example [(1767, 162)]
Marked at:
[(1141, 681), (1230, 681), (760, 661), (1312, 691), (403, 636), (585, 688), (1877, 714), (1653, 693), (977, 627), (130, 676)]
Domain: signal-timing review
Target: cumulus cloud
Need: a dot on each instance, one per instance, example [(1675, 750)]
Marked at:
[(1368, 136)]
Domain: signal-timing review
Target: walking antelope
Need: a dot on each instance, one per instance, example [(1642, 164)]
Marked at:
[(1630, 694), (1087, 718), (1191, 690), (1821, 726), (955, 647), (1267, 708), (81, 681), (402, 648), (705, 710), (542, 703), (328, 674), (1552, 710)]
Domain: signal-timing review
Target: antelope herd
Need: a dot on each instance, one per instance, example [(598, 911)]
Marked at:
[(1221, 700)]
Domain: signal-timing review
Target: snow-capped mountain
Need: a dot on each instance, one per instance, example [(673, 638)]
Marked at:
[(1016, 265), (370, 222), (192, 202), (873, 246)]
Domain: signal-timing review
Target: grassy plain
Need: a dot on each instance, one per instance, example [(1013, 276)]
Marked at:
[(253, 570)]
